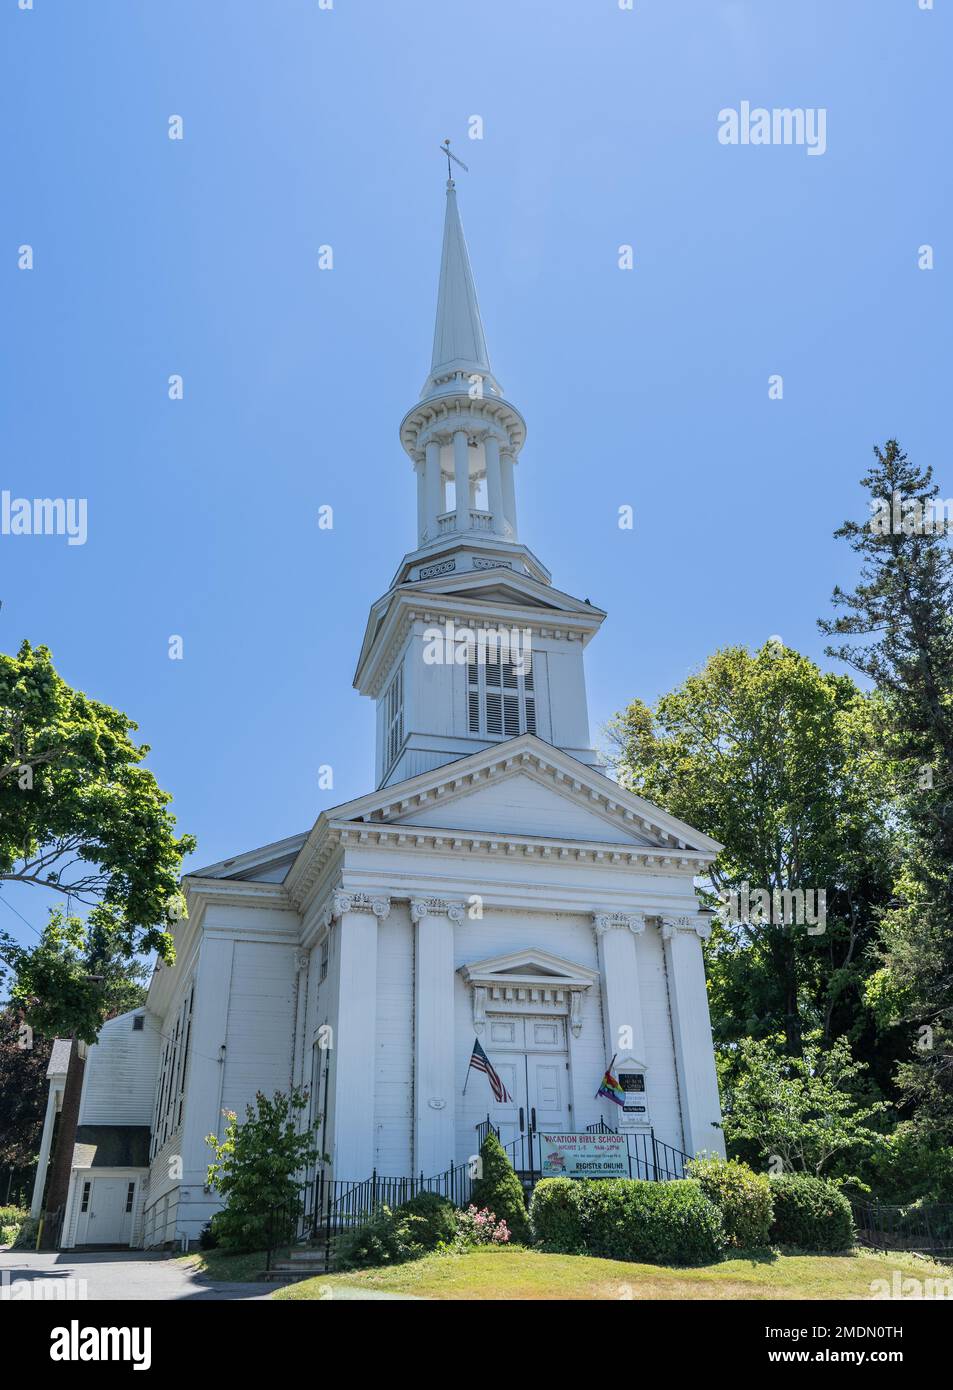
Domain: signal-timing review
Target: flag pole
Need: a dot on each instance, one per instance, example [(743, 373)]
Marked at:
[(606, 1073)]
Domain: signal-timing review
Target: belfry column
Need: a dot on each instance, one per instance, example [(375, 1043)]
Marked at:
[(616, 934), (420, 468), (509, 490), (691, 1026), (355, 1033), (461, 478), (434, 1090), (494, 483), (434, 489)]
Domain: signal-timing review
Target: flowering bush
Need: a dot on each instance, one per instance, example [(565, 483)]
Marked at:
[(478, 1226)]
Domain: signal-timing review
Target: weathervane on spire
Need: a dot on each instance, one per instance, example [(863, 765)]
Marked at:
[(445, 149)]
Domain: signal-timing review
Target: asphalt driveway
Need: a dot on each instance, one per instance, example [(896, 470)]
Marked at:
[(118, 1275)]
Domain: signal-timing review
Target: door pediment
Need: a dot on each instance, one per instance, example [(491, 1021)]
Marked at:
[(524, 981)]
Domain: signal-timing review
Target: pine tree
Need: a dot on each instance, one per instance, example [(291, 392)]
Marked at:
[(902, 608)]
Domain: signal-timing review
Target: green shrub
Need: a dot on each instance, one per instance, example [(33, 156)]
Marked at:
[(389, 1238), (499, 1190), (556, 1217), (438, 1218), (741, 1195), (13, 1216), (25, 1238), (393, 1236), (668, 1223), (810, 1213)]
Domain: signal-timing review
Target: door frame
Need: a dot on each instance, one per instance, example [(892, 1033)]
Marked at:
[(77, 1223)]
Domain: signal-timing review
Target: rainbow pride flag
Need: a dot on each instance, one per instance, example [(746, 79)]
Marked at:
[(610, 1088)]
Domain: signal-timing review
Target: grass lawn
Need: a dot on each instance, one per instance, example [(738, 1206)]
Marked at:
[(493, 1273), (237, 1269)]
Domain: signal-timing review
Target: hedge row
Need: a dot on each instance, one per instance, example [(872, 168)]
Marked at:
[(691, 1221), (669, 1223)]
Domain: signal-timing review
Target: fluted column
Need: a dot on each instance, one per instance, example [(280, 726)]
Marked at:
[(434, 489), (461, 478), (351, 1119), (434, 1089), (509, 490), (691, 1027), (494, 484)]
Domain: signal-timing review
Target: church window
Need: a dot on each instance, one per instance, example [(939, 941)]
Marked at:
[(394, 717), (170, 1092), (325, 956), (501, 698)]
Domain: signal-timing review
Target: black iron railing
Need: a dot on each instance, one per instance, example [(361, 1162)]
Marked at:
[(327, 1208), (927, 1230)]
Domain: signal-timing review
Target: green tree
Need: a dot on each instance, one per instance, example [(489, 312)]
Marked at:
[(802, 1110), (256, 1169), (78, 972), (23, 1093), (80, 816), (773, 758), (897, 629)]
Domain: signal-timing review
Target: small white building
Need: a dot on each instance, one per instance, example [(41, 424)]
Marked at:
[(496, 885), (110, 1141)]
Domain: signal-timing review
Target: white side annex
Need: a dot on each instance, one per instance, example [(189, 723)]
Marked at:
[(110, 1162), (496, 885)]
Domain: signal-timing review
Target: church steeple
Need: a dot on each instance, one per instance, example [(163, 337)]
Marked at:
[(434, 656), (459, 342), (463, 436)]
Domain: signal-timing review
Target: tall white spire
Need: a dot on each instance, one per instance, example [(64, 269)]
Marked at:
[(459, 343)]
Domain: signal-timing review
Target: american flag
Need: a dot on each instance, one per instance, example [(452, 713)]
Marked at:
[(481, 1062)]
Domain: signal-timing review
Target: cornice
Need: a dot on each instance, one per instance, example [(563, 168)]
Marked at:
[(237, 893), (457, 410), (412, 602)]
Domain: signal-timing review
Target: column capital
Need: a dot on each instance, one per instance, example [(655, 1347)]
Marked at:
[(603, 922), (342, 902), (699, 924), (435, 907)]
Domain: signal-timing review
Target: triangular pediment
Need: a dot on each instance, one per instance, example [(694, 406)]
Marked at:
[(525, 966), (525, 788), (520, 802)]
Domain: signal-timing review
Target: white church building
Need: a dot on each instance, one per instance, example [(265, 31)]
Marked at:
[(496, 885)]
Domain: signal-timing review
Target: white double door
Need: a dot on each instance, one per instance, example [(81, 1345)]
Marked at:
[(532, 1060)]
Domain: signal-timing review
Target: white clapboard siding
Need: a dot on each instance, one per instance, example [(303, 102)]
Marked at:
[(119, 1082), (259, 1035)]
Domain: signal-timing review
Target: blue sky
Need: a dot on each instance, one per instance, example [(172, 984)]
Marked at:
[(304, 127)]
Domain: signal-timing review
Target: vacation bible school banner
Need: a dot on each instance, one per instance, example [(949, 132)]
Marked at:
[(584, 1155)]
